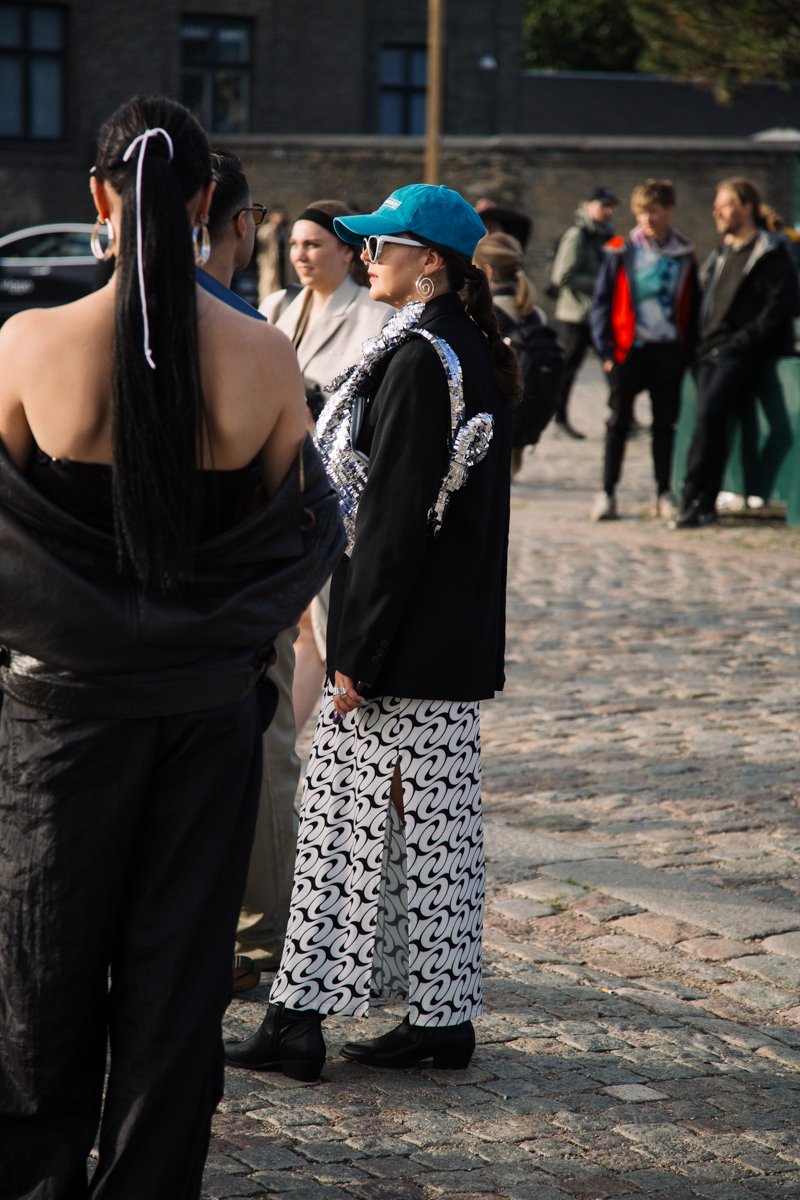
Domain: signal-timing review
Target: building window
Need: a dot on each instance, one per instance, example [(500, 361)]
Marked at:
[(215, 75), (32, 63), (403, 71)]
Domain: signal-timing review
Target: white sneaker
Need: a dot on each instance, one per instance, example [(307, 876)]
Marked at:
[(731, 502), (667, 507), (604, 508)]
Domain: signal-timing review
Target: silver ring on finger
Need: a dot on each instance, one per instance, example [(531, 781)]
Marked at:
[(339, 691)]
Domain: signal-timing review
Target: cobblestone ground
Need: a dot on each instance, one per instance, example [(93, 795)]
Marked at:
[(642, 1033)]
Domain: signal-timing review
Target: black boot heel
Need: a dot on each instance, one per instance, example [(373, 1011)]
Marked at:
[(289, 1040), (452, 1060), (303, 1071), (450, 1046)]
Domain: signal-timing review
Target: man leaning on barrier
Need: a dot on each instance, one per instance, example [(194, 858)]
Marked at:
[(750, 297)]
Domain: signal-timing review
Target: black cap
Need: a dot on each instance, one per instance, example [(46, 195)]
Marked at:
[(606, 194), (510, 220)]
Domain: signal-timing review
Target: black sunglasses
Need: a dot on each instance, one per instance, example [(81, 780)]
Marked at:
[(259, 211)]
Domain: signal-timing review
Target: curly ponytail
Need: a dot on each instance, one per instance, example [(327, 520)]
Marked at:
[(158, 414)]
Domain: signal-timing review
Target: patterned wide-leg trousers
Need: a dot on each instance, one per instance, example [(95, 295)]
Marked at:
[(380, 908)]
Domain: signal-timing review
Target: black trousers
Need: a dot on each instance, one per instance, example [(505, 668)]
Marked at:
[(724, 385), (658, 369), (124, 846), (576, 340)]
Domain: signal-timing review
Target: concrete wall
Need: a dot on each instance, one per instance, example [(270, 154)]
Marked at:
[(545, 177)]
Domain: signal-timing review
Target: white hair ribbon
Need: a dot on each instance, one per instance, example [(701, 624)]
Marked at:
[(141, 141)]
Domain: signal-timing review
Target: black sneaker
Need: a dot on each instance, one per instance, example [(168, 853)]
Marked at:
[(694, 516)]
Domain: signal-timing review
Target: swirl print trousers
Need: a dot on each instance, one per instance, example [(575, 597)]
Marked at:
[(379, 908)]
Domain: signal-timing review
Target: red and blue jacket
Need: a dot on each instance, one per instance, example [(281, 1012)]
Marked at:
[(613, 316)]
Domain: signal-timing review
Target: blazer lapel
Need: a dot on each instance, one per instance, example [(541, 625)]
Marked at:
[(327, 323)]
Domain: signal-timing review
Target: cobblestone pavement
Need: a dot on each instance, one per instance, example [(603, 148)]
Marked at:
[(642, 1032)]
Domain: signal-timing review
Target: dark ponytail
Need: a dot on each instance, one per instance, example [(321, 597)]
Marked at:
[(473, 289), (158, 415)]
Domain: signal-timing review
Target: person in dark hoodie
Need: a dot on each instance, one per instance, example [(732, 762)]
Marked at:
[(644, 322), (750, 297)]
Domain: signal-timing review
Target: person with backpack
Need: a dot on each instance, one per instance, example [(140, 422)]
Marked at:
[(523, 327), (576, 265)]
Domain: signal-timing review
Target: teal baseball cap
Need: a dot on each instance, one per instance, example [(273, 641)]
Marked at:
[(433, 212)]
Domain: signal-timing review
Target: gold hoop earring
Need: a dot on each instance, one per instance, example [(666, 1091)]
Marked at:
[(94, 241), (201, 244), (425, 287)]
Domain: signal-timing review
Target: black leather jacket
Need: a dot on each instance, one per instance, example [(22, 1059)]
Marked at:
[(78, 636)]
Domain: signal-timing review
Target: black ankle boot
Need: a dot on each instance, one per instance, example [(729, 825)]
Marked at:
[(289, 1040), (450, 1046)]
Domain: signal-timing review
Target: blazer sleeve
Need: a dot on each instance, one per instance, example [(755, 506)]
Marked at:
[(408, 460)]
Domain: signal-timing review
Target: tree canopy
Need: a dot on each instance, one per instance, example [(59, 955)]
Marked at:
[(580, 35), (708, 41), (722, 44)]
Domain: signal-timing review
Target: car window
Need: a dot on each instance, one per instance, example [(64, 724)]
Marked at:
[(74, 245), (54, 244)]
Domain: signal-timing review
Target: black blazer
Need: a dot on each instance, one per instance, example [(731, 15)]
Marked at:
[(411, 614)]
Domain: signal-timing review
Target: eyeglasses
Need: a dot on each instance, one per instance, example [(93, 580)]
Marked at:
[(259, 211), (373, 246)]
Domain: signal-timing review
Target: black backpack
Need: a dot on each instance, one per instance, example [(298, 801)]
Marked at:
[(541, 360)]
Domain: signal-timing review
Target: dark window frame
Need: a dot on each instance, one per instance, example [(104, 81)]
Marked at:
[(25, 54), (216, 23), (406, 90)]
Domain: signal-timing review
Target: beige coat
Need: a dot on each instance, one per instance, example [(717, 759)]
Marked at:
[(334, 339)]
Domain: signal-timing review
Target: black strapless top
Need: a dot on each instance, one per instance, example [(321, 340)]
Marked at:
[(83, 490)]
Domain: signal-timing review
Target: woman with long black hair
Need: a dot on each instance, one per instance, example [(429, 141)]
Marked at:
[(388, 889), (161, 520)]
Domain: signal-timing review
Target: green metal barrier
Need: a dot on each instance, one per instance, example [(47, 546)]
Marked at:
[(764, 455)]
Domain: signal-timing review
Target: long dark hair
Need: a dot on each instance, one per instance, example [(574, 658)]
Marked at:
[(475, 294), (158, 415), (745, 192)]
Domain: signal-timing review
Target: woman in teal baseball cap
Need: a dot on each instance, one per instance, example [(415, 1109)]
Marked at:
[(389, 876)]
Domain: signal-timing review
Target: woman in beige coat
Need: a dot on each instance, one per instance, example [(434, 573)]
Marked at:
[(328, 322)]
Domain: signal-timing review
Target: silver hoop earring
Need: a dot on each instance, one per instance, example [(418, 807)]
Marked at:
[(425, 287), (97, 249), (201, 244)]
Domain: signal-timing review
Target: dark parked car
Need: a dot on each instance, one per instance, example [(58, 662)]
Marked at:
[(53, 264), (45, 265)]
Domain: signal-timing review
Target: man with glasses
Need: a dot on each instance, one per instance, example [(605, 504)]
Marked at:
[(232, 222)]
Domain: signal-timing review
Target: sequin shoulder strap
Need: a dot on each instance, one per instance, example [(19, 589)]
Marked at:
[(348, 468)]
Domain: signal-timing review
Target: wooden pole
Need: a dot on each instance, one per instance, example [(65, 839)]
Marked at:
[(433, 110)]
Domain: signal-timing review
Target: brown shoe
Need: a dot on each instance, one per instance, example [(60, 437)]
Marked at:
[(246, 974)]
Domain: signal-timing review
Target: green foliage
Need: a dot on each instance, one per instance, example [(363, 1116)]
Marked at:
[(580, 35), (714, 41), (723, 44)]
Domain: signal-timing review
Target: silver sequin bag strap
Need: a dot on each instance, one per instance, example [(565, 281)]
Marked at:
[(469, 440)]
